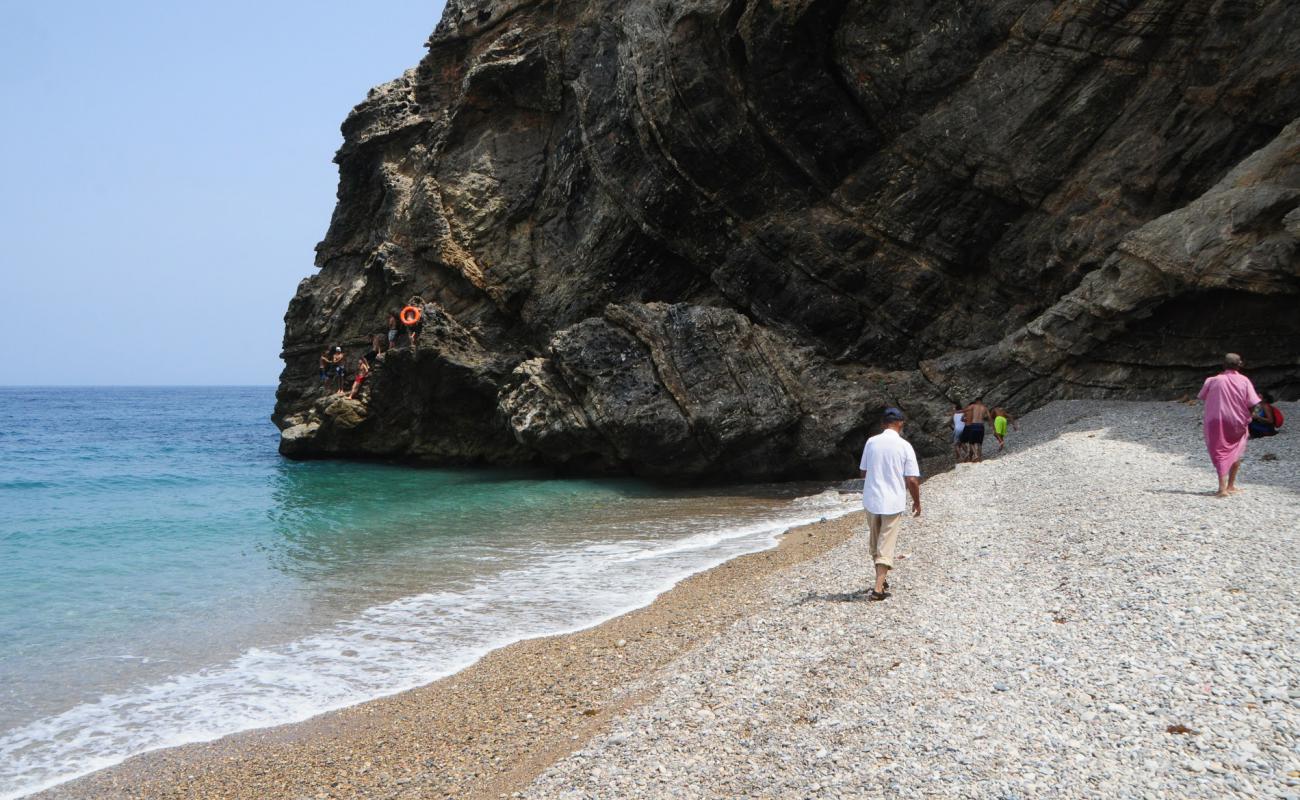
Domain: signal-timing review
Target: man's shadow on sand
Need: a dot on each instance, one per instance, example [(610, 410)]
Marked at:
[(839, 597)]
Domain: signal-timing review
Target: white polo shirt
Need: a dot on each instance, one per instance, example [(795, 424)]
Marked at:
[(887, 459)]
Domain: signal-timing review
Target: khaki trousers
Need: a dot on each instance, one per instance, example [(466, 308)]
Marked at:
[(884, 535)]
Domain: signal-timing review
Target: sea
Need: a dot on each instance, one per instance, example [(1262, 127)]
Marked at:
[(166, 577)]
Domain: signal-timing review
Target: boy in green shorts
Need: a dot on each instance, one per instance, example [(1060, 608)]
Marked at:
[(1001, 418)]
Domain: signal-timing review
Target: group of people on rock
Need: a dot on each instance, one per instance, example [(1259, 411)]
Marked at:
[(333, 361), (334, 368), (968, 429)]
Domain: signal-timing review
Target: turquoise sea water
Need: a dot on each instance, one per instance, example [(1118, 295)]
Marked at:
[(165, 577)]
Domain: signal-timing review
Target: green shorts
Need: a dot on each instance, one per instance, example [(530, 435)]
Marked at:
[(1000, 426)]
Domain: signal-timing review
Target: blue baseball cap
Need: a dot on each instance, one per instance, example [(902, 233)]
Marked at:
[(894, 415)]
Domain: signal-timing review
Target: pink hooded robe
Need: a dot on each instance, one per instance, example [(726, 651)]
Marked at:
[(1229, 397)]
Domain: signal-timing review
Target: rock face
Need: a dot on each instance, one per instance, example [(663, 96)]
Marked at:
[(713, 237)]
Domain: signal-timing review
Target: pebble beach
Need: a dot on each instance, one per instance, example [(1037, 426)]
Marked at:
[(1076, 617)]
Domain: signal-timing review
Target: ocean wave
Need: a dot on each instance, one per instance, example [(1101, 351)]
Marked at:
[(387, 649), (108, 483), (26, 485), (704, 541), (827, 498)]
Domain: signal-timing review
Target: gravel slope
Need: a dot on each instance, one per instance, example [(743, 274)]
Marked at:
[(1063, 610)]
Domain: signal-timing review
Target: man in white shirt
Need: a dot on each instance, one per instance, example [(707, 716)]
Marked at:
[(890, 473)]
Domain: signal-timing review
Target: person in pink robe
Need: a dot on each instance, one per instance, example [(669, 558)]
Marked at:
[(1229, 398)]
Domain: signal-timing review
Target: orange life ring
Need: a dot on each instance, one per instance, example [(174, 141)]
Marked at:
[(410, 315)]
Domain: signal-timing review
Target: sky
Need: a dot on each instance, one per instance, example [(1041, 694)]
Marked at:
[(165, 173)]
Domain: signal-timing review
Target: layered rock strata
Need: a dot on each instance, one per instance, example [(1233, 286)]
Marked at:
[(713, 237)]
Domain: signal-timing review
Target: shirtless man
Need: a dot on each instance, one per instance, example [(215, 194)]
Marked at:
[(363, 372), (338, 367), (976, 416), (326, 366)]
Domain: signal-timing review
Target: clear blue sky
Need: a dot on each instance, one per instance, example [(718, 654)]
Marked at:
[(166, 173)]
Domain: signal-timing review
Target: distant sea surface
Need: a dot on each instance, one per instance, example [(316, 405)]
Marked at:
[(165, 577)]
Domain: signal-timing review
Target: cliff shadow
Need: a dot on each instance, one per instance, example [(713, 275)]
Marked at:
[(1271, 461)]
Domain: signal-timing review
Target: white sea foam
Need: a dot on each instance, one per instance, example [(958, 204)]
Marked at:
[(387, 649)]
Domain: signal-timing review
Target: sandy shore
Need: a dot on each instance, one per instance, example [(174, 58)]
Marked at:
[(484, 732)]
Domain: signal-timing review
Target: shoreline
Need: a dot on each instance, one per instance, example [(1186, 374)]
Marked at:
[(483, 731), (767, 674)]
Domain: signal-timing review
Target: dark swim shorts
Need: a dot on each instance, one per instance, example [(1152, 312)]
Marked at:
[(973, 433)]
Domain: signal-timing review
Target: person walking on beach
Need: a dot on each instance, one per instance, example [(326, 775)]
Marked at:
[(889, 474), (1229, 398), (1001, 417), (958, 424), (975, 415)]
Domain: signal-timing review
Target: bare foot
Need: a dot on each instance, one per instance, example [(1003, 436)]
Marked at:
[(1224, 493), (1235, 490)]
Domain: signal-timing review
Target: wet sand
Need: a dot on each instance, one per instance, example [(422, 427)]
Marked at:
[(484, 732)]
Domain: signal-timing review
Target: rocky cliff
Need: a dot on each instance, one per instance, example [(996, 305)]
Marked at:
[(713, 237)]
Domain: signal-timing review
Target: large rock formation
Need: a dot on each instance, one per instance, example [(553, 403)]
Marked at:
[(714, 237)]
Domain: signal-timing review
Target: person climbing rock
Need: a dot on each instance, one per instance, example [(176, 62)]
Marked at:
[(363, 372), (413, 318), (394, 326)]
